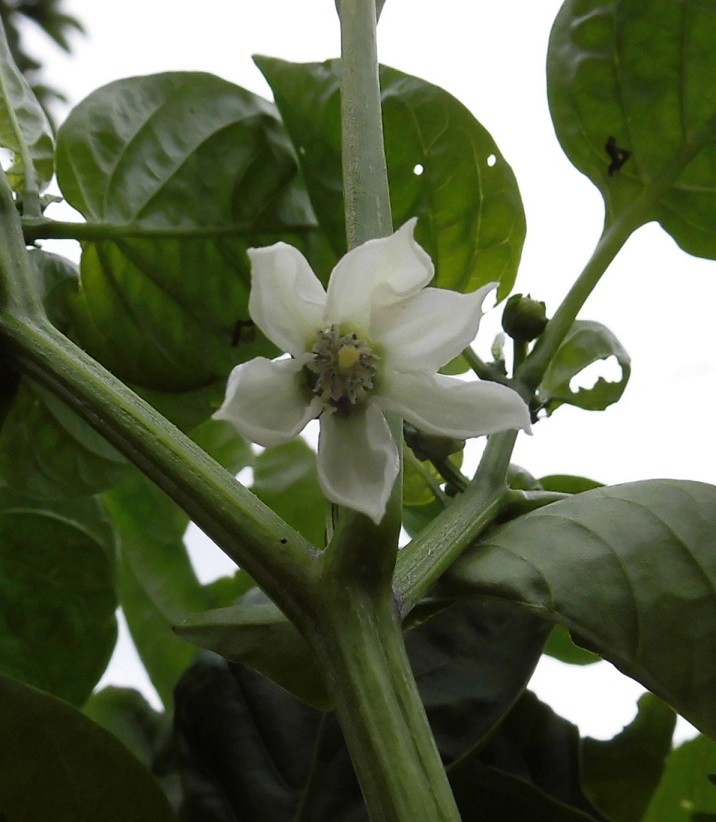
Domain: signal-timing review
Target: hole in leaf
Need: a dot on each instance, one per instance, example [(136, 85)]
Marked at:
[(609, 369), (418, 170), (492, 160)]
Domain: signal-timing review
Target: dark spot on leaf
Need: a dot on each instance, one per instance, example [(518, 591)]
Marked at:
[(618, 155), (283, 540)]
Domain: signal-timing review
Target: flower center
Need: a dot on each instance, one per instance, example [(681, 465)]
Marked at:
[(344, 366)]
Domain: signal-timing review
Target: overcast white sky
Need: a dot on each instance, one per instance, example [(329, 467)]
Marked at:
[(657, 300)]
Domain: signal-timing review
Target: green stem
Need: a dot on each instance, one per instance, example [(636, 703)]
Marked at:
[(365, 175), (423, 561), (358, 640), (451, 474), (483, 370), (43, 229), (357, 635)]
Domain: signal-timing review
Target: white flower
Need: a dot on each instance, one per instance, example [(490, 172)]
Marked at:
[(372, 343)]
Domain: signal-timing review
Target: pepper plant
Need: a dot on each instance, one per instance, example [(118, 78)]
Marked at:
[(336, 676)]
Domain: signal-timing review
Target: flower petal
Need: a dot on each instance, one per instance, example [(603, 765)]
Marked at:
[(287, 300), (267, 402), (451, 407), (357, 461), (377, 273), (425, 331)]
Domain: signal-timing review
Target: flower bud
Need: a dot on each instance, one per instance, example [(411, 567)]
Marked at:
[(430, 446), (524, 319)]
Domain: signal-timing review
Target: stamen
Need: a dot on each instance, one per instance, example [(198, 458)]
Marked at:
[(345, 367)]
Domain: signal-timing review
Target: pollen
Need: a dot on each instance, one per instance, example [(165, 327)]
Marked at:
[(342, 370)]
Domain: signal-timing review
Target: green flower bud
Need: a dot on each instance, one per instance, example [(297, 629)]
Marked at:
[(524, 319), (430, 446)]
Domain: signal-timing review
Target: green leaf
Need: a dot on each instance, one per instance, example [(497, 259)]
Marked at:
[(687, 792), (57, 594), (221, 709), (157, 584), (620, 775), (586, 343), (24, 127), (48, 452), (127, 715), (529, 770), (169, 311), (631, 568), (255, 632), (640, 72), (56, 764), (443, 167), (471, 662), (560, 645), (252, 751), (568, 483), (285, 479)]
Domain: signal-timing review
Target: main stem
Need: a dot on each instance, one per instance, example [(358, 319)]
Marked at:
[(357, 634), (360, 645)]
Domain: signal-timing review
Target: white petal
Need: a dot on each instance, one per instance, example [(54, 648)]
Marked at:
[(376, 273), (287, 300), (357, 461), (451, 407), (425, 331), (267, 401)]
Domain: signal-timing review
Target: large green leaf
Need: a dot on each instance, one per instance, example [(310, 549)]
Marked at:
[(620, 775), (631, 569), (57, 765), (687, 792), (168, 153), (57, 594), (640, 73), (443, 167), (24, 127)]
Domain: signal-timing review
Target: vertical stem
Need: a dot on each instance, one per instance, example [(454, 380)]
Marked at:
[(360, 646), (365, 176), (356, 633)]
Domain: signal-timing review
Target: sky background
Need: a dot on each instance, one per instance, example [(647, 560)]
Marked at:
[(658, 301)]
